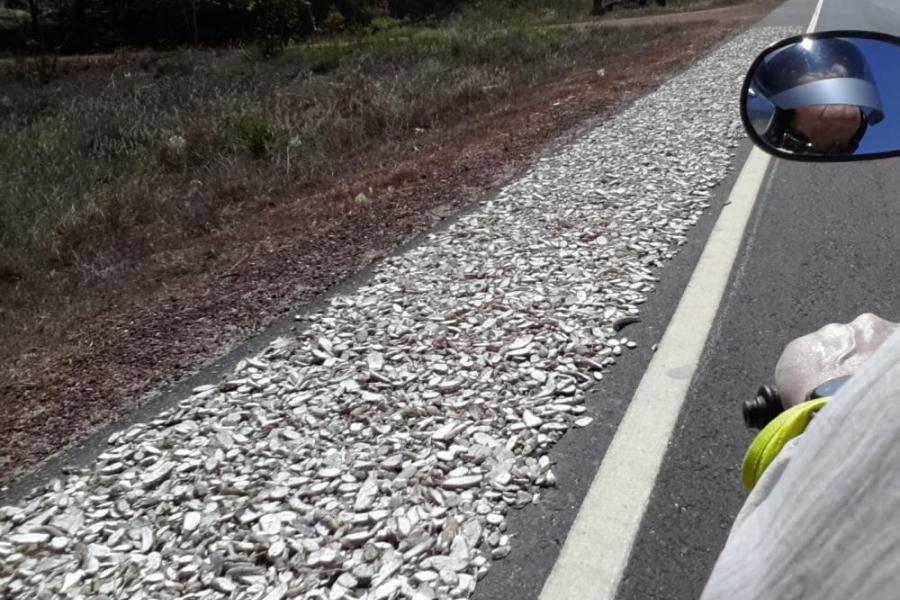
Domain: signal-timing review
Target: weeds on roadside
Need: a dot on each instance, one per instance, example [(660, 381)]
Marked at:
[(103, 169)]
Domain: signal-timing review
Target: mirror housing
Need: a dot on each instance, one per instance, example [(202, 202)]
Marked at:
[(831, 96)]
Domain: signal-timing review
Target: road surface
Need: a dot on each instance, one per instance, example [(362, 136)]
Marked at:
[(818, 248)]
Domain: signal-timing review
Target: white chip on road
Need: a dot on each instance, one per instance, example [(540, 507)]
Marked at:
[(496, 325), (593, 559)]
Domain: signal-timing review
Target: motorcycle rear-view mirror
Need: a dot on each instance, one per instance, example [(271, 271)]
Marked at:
[(829, 96)]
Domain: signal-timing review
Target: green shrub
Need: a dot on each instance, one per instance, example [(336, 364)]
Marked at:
[(255, 134), (278, 21), (385, 24), (335, 22)]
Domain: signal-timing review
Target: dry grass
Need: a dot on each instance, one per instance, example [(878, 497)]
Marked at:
[(146, 301), (106, 168)]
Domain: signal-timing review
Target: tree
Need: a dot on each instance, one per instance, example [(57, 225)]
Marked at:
[(356, 13), (79, 25), (36, 14), (50, 26), (420, 8), (280, 20), (600, 7), (189, 11)]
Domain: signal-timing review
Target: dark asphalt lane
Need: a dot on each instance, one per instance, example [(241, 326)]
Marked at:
[(540, 529), (679, 548), (820, 247), (869, 15)]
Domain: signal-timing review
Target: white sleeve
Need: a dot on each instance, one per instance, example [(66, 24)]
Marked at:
[(824, 521)]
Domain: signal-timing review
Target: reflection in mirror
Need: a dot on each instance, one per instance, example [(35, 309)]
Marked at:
[(827, 97)]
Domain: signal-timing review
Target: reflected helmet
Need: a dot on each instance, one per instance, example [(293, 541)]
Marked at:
[(810, 73)]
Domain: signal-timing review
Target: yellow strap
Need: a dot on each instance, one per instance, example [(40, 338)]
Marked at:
[(769, 442)]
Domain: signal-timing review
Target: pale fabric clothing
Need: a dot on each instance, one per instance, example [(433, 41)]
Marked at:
[(824, 521)]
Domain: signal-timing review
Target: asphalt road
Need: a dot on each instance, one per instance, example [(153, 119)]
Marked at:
[(818, 249)]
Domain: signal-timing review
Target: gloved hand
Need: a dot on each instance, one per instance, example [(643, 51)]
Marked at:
[(833, 351), (828, 127)]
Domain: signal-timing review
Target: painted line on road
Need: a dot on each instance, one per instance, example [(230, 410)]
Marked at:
[(815, 18), (598, 546)]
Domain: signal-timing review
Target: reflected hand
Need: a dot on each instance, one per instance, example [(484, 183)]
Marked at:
[(834, 351), (827, 127)]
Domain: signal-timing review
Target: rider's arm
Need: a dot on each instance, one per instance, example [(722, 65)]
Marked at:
[(823, 521)]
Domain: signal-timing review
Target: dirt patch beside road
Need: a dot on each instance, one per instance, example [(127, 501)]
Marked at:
[(185, 310), (729, 14)]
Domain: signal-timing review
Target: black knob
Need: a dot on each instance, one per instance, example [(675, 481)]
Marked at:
[(759, 411)]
